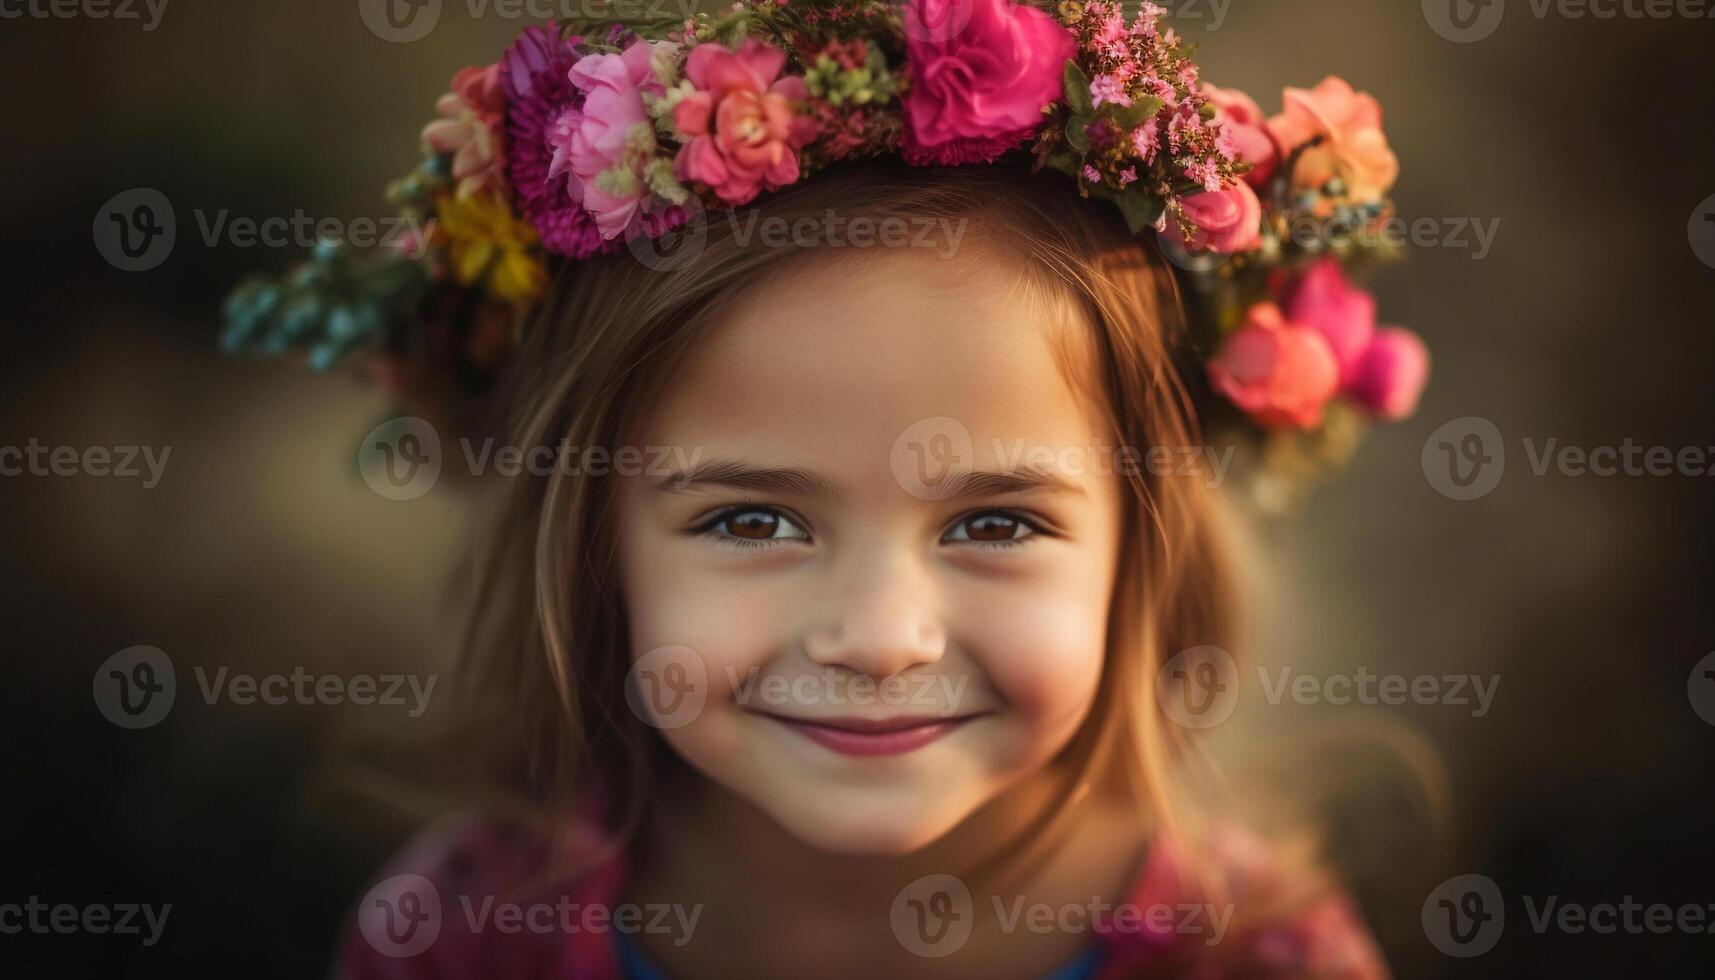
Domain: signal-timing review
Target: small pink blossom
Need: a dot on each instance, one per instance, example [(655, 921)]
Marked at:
[(1092, 175), (980, 91), (1146, 140), (1107, 88), (1281, 373), (1128, 176), (1206, 173), (742, 121)]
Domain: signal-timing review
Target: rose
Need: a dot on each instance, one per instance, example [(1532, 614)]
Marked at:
[(1226, 221), (1354, 148), (1382, 370), (741, 120), (1280, 373), (979, 90), (472, 116), (1391, 374), (1345, 315), (1242, 118)]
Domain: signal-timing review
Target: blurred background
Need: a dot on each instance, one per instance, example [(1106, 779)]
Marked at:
[(1584, 143)]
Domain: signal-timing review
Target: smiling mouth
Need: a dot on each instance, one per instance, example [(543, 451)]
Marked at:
[(872, 737)]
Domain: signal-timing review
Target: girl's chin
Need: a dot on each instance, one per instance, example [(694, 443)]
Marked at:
[(860, 825)]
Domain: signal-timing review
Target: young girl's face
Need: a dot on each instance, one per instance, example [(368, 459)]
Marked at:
[(878, 597)]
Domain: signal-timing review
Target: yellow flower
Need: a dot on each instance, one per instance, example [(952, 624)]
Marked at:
[(489, 245)]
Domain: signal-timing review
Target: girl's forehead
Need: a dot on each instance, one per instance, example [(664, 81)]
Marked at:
[(881, 342), (843, 367)]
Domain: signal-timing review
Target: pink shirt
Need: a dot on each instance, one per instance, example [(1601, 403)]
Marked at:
[(432, 917)]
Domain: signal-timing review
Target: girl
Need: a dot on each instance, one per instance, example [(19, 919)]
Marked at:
[(867, 633), (1022, 762)]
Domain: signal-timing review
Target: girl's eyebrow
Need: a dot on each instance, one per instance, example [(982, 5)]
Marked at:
[(792, 481)]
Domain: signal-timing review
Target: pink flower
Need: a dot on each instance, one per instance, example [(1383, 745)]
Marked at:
[(1107, 88), (535, 74), (1281, 373), (1242, 121), (472, 117), (1146, 139), (1345, 316), (979, 91), (744, 133), (1227, 221), (596, 144), (1354, 147), (1391, 374)]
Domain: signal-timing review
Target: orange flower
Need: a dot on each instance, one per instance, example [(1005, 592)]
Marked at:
[(1353, 146)]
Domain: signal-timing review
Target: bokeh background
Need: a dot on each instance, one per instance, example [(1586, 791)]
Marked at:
[(1588, 140)]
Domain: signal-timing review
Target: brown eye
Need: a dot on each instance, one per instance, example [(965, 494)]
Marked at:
[(754, 525), (991, 528)]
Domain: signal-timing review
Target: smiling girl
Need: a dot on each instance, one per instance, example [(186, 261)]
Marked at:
[(877, 679)]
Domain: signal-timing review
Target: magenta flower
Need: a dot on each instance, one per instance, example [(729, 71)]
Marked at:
[(741, 120), (1227, 221), (979, 91), (602, 145), (1345, 315), (1391, 374), (535, 75), (1243, 124)]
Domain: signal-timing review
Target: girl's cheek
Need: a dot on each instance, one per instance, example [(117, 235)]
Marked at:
[(1041, 653), (731, 623)]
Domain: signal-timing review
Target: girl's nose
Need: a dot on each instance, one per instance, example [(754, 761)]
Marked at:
[(878, 622)]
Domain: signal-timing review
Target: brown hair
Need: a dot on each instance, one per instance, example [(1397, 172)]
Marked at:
[(546, 659)]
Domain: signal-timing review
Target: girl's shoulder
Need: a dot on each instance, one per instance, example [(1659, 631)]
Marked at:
[(1255, 910), (489, 896), (498, 897)]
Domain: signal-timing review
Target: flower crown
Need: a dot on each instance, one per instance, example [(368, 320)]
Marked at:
[(584, 137)]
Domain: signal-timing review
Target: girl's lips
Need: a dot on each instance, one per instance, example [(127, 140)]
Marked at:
[(871, 737)]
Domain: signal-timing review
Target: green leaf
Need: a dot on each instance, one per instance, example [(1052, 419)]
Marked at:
[(1077, 89), (1070, 164), (1077, 137), (1141, 110), (1140, 209)]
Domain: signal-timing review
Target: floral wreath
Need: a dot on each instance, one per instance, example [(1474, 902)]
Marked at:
[(585, 136)]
